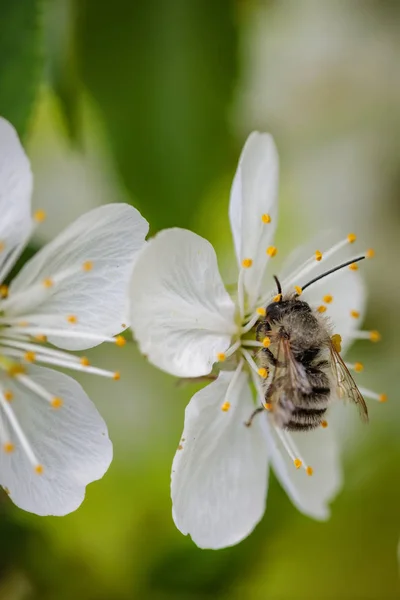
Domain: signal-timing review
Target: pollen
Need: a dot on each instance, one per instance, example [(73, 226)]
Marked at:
[(355, 314), (383, 397), (8, 395), (327, 299), (120, 340), (40, 338), (318, 255), (277, 298), (87, 266), (375, 336), (84, 361), (265, 218), (23, 323), (40, 216), (268, 406), (309, 471), (298, 289), (30, 356), (336, 340), (261, 311), (272, 251), (39, 470), (263, 372), (370, 253), (117, 376), (358, 367), (4, 290), (324, 424), (57, 402), (321, 309), (351, 238), (48, 282), (266, 342), (15, 369), (353, 267), (221, 356), (72, 319), (247, 263), (225, 407), (297, 463), (8, 447)]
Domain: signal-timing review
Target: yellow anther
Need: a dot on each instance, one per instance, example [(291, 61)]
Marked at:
[(355, 314), (23, 323), (327, 299), (353, 267), (84, 361), (117, 376), (324, 424), (4, 290), (266, 342), (8, 395), (225, 407), (336, 340), (72, 319), (298, 463), (271, 251), (39, 469), (321, 309), (318, 255), (221, 356), (39, 216), (298, 289), (40, 337), (120, 340), (8, 447), (247, 263), (268, 406), (57, 402), (2, 246), (309, 471), (15, 369), (87, 266), (30, 356), (277, 298), (375, 336), (48, 282), (382, 397), (261, 311), (263, 372), (358, 367), (351, 238), (265, 218), (370, 253)]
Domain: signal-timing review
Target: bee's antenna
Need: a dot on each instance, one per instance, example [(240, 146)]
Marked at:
[(346, 264), (278, 285)]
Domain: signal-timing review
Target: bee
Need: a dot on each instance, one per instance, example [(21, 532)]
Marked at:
[(308, 371)]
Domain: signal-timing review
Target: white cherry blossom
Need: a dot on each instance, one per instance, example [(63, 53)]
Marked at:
[(71, 294), (187, 324)]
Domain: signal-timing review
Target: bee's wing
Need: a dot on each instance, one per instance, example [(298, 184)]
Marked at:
[(289, 382), (347, 387)]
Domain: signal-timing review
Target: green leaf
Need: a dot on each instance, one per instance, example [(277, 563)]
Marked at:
[(20, 59), (162, 74)]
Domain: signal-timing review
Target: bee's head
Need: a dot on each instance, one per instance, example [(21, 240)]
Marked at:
[(277, 310)]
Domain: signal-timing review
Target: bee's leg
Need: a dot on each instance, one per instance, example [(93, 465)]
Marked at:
[(258, 410), (270, 357)]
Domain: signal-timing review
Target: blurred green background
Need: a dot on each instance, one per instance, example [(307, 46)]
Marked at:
[(149, 102)]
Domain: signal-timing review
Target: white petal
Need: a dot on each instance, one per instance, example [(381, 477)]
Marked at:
[(181, 314), (109, 237), (254, 194), (219, 477), (71, 443), (310, 494), (16, 184)]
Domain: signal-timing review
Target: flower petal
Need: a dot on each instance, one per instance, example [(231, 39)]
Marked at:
[(181, 313), (71, 443), (254, 201), (310, 494), (16, 184), (219, 474), (89, 264)]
